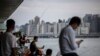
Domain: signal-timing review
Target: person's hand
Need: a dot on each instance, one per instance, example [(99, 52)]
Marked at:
[(79, 42), (43, 47)]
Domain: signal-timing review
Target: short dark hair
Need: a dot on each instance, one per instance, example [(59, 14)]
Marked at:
[(35, 37), (10, 22), (76, 20), (49, 52)]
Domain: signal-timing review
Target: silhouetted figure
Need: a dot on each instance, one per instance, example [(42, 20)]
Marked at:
[(1, 33), (8, 40), (34, 49), (23, 40), (67, 42), (49, 52)]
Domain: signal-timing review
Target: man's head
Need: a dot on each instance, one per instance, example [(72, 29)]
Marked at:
[(10, 24), (35, 38), (75, 22), (49, 52)]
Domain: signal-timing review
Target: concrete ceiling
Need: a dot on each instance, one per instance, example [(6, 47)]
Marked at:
[(7, 7)]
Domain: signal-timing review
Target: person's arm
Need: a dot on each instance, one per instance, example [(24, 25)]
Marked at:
[(79, 42), (13, 45), (41, 47), (71, 35)]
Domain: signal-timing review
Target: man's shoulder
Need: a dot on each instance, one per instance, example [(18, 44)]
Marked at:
[(9, 35), (66, 28), (69, 28), (6, 33)]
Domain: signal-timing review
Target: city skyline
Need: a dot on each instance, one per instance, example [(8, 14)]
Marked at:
[(90, 26), (52, 10)]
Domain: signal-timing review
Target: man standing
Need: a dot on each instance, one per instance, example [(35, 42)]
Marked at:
[(67, 42), (8, 40)]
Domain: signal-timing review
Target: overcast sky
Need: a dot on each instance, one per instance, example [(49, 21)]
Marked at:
[(52, 10)]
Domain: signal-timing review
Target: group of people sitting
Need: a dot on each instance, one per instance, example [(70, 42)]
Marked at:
[(33, 50)]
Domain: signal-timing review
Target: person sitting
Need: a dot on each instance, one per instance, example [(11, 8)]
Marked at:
[(22, 40), (34, 49)]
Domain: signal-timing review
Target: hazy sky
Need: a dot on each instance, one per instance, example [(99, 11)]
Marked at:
[(52, 10)]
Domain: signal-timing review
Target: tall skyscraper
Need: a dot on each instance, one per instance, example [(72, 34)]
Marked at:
[(33, 26), (94, 21)]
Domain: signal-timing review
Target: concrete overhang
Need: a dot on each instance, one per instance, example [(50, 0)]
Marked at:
[(7, 7)]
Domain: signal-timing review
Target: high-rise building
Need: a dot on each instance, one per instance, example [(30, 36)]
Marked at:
[(55, 29), (28, 30), (37, 20), (23, 28), (33, 27), (43, 27), (17, 28), (60, 26), (93, 22)]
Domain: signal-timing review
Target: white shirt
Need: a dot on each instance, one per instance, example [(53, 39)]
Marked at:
[(58, 54), (67, 41), (8, 41)]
